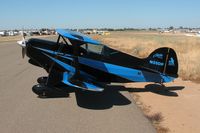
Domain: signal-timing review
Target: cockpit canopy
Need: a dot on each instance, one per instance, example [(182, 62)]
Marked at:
[(84, 42)]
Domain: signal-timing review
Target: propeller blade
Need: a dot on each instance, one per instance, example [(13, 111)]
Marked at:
[(22, 43)]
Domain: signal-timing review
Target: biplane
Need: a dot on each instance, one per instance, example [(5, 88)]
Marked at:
[(75, 60)]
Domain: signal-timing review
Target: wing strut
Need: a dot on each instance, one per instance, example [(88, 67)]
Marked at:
[(53, 63), (75, 78)]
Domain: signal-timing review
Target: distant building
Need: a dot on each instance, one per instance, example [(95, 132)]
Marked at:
[(87, 31), (103, 32), (11, 33), (2, 33)]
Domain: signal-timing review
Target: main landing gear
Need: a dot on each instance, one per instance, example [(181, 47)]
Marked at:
[(41, 89), (45, 91)]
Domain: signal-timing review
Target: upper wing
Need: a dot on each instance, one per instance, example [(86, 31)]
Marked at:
[(77, 36)]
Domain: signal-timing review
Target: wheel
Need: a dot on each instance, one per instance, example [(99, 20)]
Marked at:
[(42, 80), (40, 90), (44, 91)]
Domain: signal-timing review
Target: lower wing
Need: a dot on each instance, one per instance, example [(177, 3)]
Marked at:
[(81, 84)]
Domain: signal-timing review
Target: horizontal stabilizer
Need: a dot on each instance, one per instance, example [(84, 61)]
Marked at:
[(84, 85)]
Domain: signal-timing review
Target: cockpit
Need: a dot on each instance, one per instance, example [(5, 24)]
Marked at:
[(79, 44), (93, 48)]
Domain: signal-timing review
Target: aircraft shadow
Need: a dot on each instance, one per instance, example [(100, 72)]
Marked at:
[(154, 88), (111, 96), (102, 100), (91, 100)]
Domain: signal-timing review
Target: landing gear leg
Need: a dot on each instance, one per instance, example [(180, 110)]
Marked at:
[(164, 88)]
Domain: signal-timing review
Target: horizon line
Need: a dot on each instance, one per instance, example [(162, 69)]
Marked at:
[(136, 28)]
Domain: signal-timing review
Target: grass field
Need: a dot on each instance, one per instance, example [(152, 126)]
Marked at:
[(141, 44)]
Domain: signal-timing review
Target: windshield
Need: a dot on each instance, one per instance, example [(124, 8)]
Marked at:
[(93, 48)]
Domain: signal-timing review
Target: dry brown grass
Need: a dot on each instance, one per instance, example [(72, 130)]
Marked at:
[(155, 118), (141, 44)]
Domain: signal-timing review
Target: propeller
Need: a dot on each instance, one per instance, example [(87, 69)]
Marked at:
[(22, 43)]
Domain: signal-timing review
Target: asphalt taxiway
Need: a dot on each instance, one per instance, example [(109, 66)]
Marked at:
[(22, 111)]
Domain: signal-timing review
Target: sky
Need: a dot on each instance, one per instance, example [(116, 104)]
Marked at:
[(18, 14)]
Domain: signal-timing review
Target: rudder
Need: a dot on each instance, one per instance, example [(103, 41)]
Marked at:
[(163, 60)]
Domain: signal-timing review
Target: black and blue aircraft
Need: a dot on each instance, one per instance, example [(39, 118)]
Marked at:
[(80, 62)]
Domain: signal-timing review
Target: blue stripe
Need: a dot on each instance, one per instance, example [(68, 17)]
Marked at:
[(124, 72), (65, 80), (72, 69), (64, 65)]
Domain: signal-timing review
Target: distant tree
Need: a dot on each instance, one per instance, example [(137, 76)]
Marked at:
[(171, 28), (181, 27), (152, 29)]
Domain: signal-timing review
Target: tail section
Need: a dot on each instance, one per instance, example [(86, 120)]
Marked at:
[(163, 60)]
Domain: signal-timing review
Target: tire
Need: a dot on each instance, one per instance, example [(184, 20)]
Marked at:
[(39, 89), (42, 80)]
